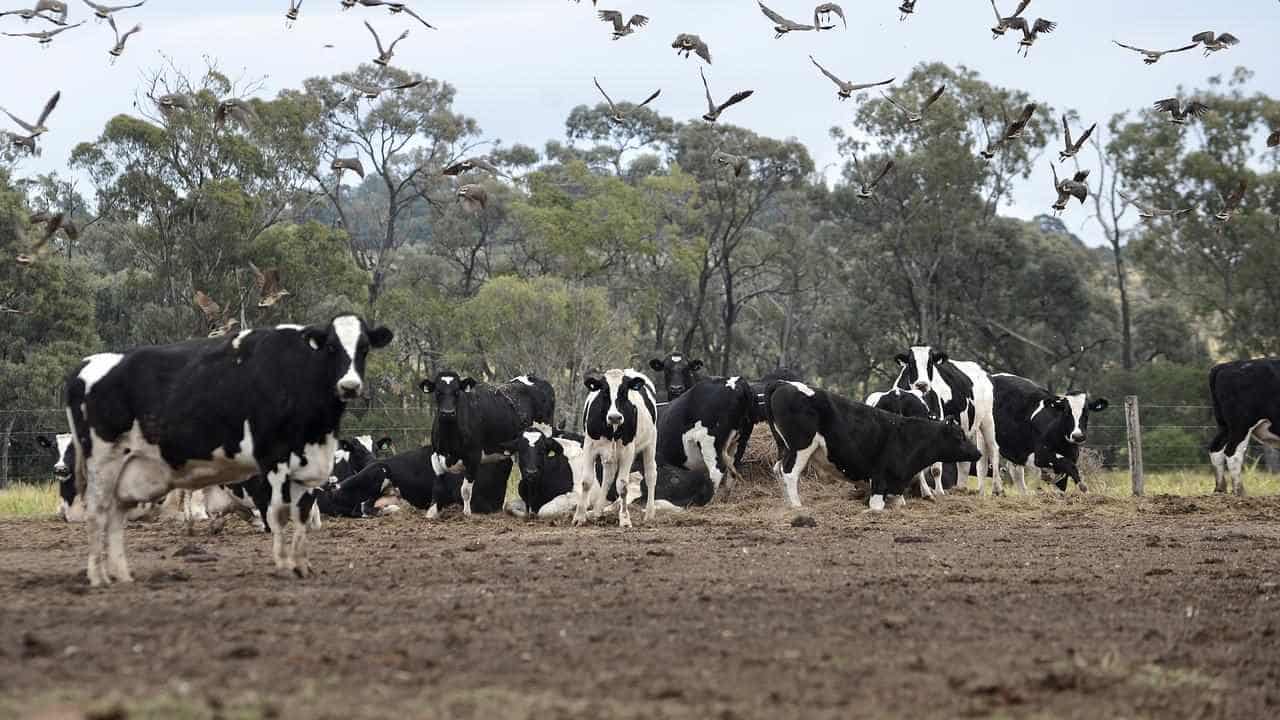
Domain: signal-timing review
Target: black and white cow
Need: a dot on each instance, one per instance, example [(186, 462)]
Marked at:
[(620, 420), (1246, 403), (474, 419), (702, 427), (1040, 429), (863, 443), (758, 387), (414, 479), (966, 394), (214, 411), (912, 403), (678, 373), (71, 504)]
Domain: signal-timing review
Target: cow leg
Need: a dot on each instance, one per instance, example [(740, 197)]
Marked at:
[(299, 511), (876, 502), (711, 459), (792, 466), (99, 495), (278, 515), (1235, 466), (925, 491), (729, 464), (621, 476), (990, 451), (1234, 442), (651, 481), (584, 473)]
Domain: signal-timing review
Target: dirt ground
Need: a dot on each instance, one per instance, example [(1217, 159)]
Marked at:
[(1043, 606)]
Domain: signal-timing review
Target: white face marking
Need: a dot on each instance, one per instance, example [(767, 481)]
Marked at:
[(340, 455), (676, 358), (446, 379), (920, 357), (805, 389), (1076, 403), (97, 368), (348, 329), (523, 379), (63, 441), (287, 326), (732, 383), (366, 441), (532, 437), (240, 336), (613, 379)]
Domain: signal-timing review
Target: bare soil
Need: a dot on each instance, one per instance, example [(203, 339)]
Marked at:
[(1044, 606)]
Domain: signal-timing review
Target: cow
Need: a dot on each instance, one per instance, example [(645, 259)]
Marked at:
[(1040, 429), (412, 475), (1245, 404), (352, 456), (619, 418), (678, 373), (473, 420), (863, 443), (700, 428), (64, 471), (214, 411), (965, 391), (910, 403)]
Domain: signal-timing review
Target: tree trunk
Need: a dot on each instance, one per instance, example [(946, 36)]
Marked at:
[(1126, 316), (4, 450)]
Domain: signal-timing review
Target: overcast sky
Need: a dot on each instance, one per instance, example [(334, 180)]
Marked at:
[(520, 65)]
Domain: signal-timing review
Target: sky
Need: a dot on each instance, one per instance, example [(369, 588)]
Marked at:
[(520, 66)]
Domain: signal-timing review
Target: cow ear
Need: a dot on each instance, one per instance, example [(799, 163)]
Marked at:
[(593, 384), (384, 442), (380, 337), (509, 447), (1099, 405), (44, 441), (315, 336), (657, 364), (903, 359), (467, 384), (553, 449), (427, 386), (696, 365), (636, 383)]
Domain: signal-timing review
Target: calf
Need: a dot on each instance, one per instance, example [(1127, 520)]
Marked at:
[(678, 373), (71, 505), (861, 442), (909, 403), (1246, 403), (214, 411), (1040, 429), (966, 394), (620, 420), (699, 429), (473, 420)]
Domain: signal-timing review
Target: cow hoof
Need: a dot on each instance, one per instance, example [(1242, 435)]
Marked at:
[(1240, 491), (579, 521), (876, 504), (1083, 488), (303, 571), (899, 501)]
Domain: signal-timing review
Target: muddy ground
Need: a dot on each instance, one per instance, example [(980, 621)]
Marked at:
[(1045, 606)]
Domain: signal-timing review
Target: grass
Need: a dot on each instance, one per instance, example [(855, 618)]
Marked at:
[(1180, 482), (27, 500)]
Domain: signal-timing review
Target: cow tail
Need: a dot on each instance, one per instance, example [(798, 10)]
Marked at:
[(81, 473), (1219, 440), (747, 398)]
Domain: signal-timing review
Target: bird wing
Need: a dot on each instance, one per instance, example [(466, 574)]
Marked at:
[(1022, 7), (651, 98), (1233, 200), (1022, 120), (638, 21), (111, 21), (613, 108), (418, 17), (135, 29), (1078, 190), (833, 8), (1056, 183), (773, 15), (864, 86), (376, 39), (395, 42), (1081, 175), (48, 107), (827, 72), (895, 103), (703, 50), (613, 16), (933, 98), (737, 98), (1066, 131), (996, 10), (258, 278), (405, 86), (1169, 105), (1016, 23), (1197, 108), (456, 169), (1044, 26), (1135, 49), (20, 121), (711, 104), (1228, 39), (1081, 140), (883, 171), (1205, 37), (1181, 49), (212, 310)]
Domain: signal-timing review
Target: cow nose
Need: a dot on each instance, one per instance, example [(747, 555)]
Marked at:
[(447, 413), (1077, 437), (350, 387), (922, 386), (615, 418)]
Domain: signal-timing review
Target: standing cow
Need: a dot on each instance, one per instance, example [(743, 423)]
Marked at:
[(1040, 429), (863, 443), (620, 420), (966, 394), (699, 429), (678, 373), (214, 411), (909, 403), (1246, 403), (474, 419)]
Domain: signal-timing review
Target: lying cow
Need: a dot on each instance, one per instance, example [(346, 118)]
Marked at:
[(412, 475), (700, 429), (214, 411), (863, 443), (1038, 429)]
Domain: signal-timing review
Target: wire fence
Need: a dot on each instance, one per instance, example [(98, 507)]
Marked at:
[(1174, 437)]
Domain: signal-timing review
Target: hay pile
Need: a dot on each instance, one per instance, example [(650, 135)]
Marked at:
[(757, 470)]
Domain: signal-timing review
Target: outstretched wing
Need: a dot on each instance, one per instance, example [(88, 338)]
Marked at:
[(48, 107), (651, 98), (1205, 37), (1181, 49), (1044, 26), (1085, 137), (1066, 132), (1197, 108), (396, 42), (1169, 105), (376, 39), (607, 99), (772, 15), (703, 50), (638, 21), (933, 98), (1228, 39), (895, 103), (827, 72), (613, 16), (418, 17), (711, 104), (737, 98), (883, 171), (1135, 49), (1056, 182)]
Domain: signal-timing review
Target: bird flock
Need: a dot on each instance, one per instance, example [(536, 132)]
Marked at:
[(54, 15)]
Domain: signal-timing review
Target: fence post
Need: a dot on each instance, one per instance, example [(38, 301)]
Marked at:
[(1133, 427)]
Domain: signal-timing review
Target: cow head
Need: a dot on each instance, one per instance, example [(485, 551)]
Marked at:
[(919, 367), (354, 453), (953, 446), (446, 390), (385, 444), (347, 340), (678, 373), (63, 469), (531, 451), (610, 410), (1068, 418)]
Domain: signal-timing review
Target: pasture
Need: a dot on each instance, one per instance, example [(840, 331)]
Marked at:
[(1049, 606)]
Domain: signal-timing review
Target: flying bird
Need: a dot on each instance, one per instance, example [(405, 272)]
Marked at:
[(617, 116), (1151, 57), (171, 103), (270, 291), (55, 11), (44, 37), (847, 88), (384, 54), (1012, 131), (622, 29), (782, 25), (394, 7), (37, 128), (1030, 31), (291, 16), (1214, 43), (866, 190), (348, 163), (1179, 113), (1231, 204), (1147, 213), (235, 108), (823, 13), (52, 224), (372, 92), (20, 143), (1003, 23), (474, 198), (689, 43), (1070, 148), (104, 12), (27, 14), (916, 116), (469, 164), (1273, 139), (118, 49), (713, 110), (1073, 187), (739, 163), (906, 8)]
